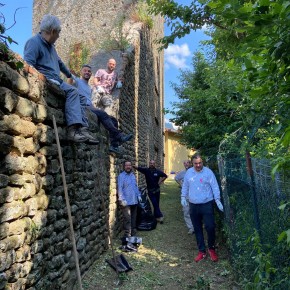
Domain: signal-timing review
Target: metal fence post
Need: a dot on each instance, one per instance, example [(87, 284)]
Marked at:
[(253, 193)]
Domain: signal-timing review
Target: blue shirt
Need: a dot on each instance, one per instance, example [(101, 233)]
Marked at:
[(127, 188), (42, 55), (84, 89), (200, 187)]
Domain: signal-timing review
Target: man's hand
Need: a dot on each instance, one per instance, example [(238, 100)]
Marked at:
[(119, 85), (123, 203), (183, 201), (219, 205)]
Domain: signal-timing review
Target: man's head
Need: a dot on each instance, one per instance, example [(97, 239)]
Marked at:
[(187, 164), (50, 28), (197, 162), (86, 72), (152, 164), (111, 65), (127, 166)]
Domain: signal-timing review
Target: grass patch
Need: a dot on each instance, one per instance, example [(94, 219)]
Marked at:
[(165, 258)]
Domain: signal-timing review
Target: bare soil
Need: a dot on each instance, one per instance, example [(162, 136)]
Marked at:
[(165, 260)]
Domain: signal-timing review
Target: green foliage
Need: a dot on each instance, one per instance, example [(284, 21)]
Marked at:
[(118, 39), (140, 13), (209, 106), (251, 39), (79, 55)]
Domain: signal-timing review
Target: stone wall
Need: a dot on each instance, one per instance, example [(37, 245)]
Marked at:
[(35, 248)]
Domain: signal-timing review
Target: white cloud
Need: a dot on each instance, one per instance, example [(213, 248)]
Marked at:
[(166, 121), (176, 56)]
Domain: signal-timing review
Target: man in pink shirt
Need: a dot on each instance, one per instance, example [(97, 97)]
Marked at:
[(105, 81)]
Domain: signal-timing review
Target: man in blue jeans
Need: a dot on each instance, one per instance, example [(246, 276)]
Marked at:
[(110, 123), (200, 187), (40, 53), (154, 177)]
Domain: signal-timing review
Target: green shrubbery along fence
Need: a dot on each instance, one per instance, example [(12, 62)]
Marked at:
[(257, 222)]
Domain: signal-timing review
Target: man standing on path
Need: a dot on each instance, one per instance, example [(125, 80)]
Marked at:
[(154, 177), (39, 52), (179, 179), (128, 196), (200, 187), (110, 123)]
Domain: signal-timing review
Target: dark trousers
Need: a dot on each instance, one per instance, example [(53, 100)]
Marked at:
[(129, 220), (203, 213), (154, 195), (110, 123)]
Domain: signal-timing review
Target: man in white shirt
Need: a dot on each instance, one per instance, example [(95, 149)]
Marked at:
[(201, 189)]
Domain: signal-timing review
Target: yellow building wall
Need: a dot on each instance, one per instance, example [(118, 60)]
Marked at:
[(175, 153)]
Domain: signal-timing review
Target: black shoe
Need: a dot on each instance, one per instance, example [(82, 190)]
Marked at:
[(90, 139), (114, 150), (124, 138), (74, 134)]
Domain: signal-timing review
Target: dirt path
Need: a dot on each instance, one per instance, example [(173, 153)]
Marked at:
[(165, 258)]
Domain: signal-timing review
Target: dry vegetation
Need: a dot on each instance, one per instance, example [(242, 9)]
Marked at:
[(165, 258)]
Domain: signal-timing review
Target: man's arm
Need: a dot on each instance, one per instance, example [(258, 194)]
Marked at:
[(185, 188), (64, 69), (120, 187), (31, 52), (214, 186), (161, 180), (97, 81)]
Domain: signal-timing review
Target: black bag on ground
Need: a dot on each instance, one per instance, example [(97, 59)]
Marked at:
[(145, 219), (122, 264)]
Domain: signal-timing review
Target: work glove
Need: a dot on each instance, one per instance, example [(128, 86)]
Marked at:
[(100, 89), (119, 85), (219, 205), (139, 199), (183, 201), (123, 202)]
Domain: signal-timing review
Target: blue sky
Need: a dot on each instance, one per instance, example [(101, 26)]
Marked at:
[(178, 56)]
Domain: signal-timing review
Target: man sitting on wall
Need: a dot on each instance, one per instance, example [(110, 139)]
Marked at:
[(105, 81), (39, 52), (110, 123)]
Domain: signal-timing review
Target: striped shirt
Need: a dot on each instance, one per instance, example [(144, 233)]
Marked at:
[(127, 188)]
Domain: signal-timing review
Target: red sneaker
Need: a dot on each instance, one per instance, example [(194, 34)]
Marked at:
[(200, 256), (213, 255)]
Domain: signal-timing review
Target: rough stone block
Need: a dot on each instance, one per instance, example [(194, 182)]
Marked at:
[(47, 182), (4, 180), (49, 150), (8, 99), (44, 134), (35, 203), (17, 126), (19, 226), (12, 79), (12, 242), (12, 210), (4, 228), (23, 254), (40, 219), (37, 247), (16, 164), (6, 142), (7, 259)]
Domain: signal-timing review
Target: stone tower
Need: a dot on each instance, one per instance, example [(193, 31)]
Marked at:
[(92, 23)]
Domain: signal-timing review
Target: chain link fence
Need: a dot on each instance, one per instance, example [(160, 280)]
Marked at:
[(254, 223)]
